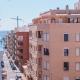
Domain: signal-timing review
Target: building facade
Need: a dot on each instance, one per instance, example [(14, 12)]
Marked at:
[(22, 47), (17, 46), (10, 44), (54, 46)]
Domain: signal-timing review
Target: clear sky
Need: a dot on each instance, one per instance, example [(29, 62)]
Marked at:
[(27, 10)]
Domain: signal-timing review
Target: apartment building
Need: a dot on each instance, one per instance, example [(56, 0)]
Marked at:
[(22, 46), (77, 5), (17, 46), (54, 46), (10, 44)]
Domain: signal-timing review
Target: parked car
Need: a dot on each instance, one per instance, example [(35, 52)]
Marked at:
[(4, 74), (18, 78), (2, 64), (13, 66)]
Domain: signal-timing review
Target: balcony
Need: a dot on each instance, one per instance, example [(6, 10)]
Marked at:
[(36, 36), (19, 44), (20, 38), (18, 53), (35, 70), (20, 50)]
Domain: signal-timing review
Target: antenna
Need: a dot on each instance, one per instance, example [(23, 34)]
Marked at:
[(17, 19)]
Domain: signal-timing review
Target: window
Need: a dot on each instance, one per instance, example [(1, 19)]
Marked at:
[(65, 37), (40, 76), (78, 66), (30, 45), (76, 20), (46, 36), (66, 52), (20, 38), (66, 78), (72, 20), (77, 78), (77, 36), (30, 33), (66, 66), (39, 34), (46, 65), (39, 61), (21, 57), (20, 43), (53, 20), (46, 51), (68, 20), (77, 51), (39, 48), (34, 60), (45, 77), (21, 50)]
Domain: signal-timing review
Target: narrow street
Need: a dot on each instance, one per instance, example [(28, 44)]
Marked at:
[(11, 74)]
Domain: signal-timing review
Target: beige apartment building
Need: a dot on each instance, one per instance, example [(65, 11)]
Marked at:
[(54, 46)]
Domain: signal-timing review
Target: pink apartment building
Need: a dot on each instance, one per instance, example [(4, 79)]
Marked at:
[(54, 46)]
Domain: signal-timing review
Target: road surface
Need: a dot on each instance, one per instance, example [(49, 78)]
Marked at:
[(11, 74)]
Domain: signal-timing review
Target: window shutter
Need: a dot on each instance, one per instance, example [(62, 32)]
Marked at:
[(66, 78), (78, 37), (77, 51), (77, 66)]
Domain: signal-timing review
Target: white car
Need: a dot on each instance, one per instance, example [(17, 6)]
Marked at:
[(18, 76)]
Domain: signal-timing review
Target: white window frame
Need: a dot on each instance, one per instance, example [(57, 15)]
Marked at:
[(45, 65), (78, 77), (78, 66), (77, 36), (46, 36), (77, 51), (66, 78), (20, 38), (45, 77)]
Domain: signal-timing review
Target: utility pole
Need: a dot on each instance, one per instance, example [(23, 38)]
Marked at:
[(17, 19)]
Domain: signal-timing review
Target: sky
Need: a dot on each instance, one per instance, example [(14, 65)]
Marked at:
[(27, 10)]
